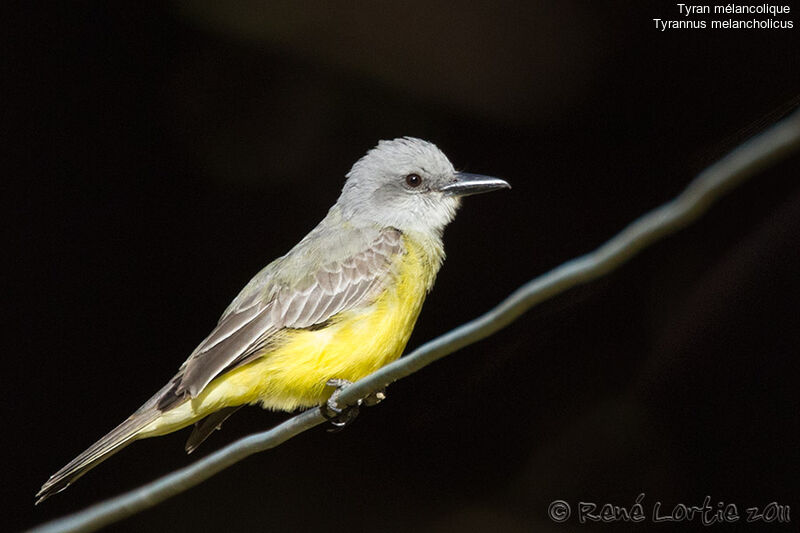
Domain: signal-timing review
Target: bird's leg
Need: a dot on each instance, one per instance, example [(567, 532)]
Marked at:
[(340, 417)]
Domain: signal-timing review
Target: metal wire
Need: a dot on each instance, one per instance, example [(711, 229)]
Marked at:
[(745, 161)]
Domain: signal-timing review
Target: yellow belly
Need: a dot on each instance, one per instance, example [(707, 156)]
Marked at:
[(293, 375)]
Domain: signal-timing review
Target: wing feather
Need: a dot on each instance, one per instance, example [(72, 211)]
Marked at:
[(230, 326), (327, 289)]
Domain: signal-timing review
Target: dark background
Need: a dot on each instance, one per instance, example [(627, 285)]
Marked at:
[(161, 154)]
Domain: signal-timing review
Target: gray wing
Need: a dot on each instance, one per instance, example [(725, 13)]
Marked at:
[(299, 290)]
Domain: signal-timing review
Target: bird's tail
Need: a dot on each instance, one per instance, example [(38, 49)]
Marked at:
[(114, 441), (98, 452)]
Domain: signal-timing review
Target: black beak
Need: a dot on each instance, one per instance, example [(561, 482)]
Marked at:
[(467, 184)]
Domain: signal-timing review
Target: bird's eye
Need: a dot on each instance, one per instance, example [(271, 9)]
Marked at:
[(413, 180)]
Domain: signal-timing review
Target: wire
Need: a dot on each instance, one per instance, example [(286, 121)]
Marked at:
[(745, 161)]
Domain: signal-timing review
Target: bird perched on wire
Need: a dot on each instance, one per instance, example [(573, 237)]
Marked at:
[(341, 304)]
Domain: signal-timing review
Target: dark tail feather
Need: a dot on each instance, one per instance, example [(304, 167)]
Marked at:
[(117, 439), (101, 450), (203, 429)]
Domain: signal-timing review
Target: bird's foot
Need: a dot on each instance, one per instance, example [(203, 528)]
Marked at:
[(341, 417), (375, 398)]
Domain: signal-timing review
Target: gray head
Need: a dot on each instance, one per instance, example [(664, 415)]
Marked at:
[(409, 184)]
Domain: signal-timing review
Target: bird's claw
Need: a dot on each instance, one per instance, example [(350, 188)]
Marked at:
[(341, 417), (375, 398)]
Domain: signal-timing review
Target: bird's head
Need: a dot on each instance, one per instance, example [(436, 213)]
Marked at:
[(409, 184)]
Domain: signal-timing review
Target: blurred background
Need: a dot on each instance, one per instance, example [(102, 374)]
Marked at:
[(162, 153)]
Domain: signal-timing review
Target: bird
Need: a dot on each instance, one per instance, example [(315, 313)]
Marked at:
[(339, 305)]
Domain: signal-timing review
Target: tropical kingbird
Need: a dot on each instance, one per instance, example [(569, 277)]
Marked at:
[(341, 304)]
